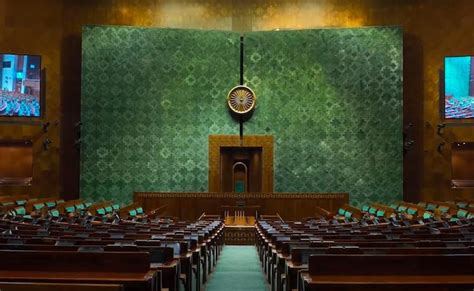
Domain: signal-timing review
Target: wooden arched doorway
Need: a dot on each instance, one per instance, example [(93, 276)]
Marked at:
[(255, 153)]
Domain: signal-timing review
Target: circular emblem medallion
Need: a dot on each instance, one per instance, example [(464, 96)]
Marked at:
[(241, 99)]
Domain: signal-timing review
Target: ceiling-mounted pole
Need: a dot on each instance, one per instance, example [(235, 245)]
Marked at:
[(241, 60), (241, 122), (241, 131)]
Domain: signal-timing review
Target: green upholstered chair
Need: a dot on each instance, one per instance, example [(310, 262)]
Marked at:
[(428, 215), (50, 204), (38, 206), (69, 209), (431, 206), (412, 211), (402, 209), (139, 210), (373, 210), (443, 209)]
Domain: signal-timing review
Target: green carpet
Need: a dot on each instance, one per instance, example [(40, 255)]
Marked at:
[(238, 268)]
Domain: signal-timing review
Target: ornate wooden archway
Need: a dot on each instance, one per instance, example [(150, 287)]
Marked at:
[(263, 141)]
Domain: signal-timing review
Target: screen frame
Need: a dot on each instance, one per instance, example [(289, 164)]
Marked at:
[(41, 91), (442, 89)]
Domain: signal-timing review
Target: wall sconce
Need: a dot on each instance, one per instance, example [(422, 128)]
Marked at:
[(440, 147), (46, 144), (441, 126), (46, 126)]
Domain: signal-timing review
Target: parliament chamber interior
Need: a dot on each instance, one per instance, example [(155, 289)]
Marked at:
[(188, 145)]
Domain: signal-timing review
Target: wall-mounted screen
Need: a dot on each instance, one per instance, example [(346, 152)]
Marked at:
[(20, 85), (459, 87)]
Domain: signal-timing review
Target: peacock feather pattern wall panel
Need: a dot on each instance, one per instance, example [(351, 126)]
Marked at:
[(150, 98), (332, 98)]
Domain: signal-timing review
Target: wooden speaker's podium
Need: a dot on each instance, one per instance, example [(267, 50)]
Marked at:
[(240, 223)]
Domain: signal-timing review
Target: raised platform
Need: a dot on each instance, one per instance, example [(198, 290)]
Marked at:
[(290, 206)]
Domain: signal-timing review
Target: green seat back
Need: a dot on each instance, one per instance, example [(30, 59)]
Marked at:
[(116, 207), (427, 215), (341, 211), (20, 210), (132, 213), (372, 210), (443, 209), (461, 204), (38, 206), (380, 213), (70, 209), (8, 203), (108, 209), (348, 214), (431, 206), (20, 202), (140, 210), (402, 208), (393, 206), (100, 211), (462, 213), (54, 213), (470, 215), (60, 201), (50, 204), (87, 204), (80, 206), (239, 186), (365, 208), (412, 211)]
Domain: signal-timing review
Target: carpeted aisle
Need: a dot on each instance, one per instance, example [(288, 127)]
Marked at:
[(238, 269)]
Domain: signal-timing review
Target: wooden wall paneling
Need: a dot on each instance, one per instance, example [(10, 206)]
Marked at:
[(35, 27), (291, 206)]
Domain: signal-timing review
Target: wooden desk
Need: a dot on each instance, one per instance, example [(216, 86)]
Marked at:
[(290, 206), (239, 235)]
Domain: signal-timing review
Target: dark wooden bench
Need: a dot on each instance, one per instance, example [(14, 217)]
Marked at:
[(35, 286), (390, 272), (276, 241), (199, 243), (130, 269), (161, 258)]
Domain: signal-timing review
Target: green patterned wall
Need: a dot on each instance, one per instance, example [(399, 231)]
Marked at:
[(150, 98), (331, 97), (333, 100)]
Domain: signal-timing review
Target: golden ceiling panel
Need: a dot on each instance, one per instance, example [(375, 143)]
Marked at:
[(433, 29)]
